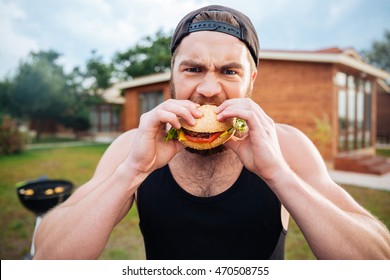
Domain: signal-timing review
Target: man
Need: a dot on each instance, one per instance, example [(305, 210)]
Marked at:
[(232, 203)]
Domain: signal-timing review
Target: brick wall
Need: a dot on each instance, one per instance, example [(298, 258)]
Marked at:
[(291, 92), (383, 109), (131, 112), (297, 93)]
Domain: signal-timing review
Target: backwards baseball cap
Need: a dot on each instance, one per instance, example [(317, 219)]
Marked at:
[(246, 32)]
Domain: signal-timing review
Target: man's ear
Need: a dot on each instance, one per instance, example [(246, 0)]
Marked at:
[(252, 82), (254, 75)]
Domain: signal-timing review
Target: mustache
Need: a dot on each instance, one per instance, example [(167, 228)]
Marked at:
[(203, 100)]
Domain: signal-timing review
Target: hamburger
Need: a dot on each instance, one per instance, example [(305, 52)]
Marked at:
[(208, 132)]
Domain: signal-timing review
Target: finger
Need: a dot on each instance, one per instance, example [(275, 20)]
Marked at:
[(158, 118), (238, 109), (170, 111), (226, 104), (184, 109), (246, 109)]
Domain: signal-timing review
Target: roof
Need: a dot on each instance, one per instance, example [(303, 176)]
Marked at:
[(113, 95), (347, 57), (385, 88), (147, 80)]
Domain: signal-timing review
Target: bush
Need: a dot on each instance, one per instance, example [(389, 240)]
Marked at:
[(11, 139)]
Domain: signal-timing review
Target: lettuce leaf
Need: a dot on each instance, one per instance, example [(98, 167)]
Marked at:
[(173, 133), (240, 125)]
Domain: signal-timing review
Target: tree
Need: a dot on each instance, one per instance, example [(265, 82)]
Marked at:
[(41, 91), (98, 73), (11, 139), (84, 97), (38, 88), (4, 98), (151, 55), (379, 54)]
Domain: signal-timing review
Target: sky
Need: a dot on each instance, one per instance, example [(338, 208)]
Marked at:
[(76, 27)]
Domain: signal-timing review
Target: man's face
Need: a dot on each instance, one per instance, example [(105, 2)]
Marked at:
[(211, 67)]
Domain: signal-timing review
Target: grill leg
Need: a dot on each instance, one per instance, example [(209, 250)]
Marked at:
[(32, 250)]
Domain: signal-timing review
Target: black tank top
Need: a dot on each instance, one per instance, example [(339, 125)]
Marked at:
[(241, 223)]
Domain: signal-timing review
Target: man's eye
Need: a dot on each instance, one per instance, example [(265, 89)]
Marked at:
[(193, 69), (229, 72)]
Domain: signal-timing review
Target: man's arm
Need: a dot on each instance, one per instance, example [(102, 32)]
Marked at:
[(80, 227), (334, 224)]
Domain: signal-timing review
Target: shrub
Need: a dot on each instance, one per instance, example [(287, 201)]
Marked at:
[(11, 139)]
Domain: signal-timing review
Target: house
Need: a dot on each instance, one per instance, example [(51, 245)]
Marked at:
[(383, 119), (331, 95), (106, 118)]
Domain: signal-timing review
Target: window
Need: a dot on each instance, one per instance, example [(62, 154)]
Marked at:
[(342, 110), (354, 111), (367, 113), (149, 100), (104, 118), (351, 113)]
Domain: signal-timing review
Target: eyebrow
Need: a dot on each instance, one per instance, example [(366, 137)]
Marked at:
[(232, 65), (192, 63)]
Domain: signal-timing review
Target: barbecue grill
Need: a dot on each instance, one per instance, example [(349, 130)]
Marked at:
[(39, 196)]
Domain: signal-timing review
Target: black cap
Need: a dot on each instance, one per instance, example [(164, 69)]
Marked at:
[(246, 32)]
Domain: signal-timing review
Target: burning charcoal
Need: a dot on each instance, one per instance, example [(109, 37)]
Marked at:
[(29, 192), (59, 189), (49, 192)]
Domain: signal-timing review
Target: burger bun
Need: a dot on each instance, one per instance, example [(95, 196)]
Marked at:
[(208, 123)]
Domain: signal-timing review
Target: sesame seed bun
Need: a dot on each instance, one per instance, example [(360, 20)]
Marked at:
[(208, 123)]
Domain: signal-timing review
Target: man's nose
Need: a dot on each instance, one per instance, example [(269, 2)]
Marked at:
[(209, 86)]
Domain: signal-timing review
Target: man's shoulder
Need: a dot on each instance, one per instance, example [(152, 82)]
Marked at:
[(293, 139), (130, 134), (124, 140), (285, 130)]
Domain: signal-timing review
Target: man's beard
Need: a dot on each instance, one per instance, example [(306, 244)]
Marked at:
[(217, 150)]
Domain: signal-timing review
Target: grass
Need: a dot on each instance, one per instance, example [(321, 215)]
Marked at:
[(77, 164), (383, 152)]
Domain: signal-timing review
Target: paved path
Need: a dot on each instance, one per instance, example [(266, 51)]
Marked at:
[(381, 182)]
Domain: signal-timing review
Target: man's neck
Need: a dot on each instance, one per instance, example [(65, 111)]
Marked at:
[(205, 175)]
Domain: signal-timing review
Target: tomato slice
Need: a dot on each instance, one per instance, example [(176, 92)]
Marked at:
[(209, 139)]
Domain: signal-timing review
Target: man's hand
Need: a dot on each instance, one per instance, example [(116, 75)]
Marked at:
[(149, 150), (260, 151)]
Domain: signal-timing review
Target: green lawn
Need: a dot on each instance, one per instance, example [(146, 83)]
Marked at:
[(77, 165)]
